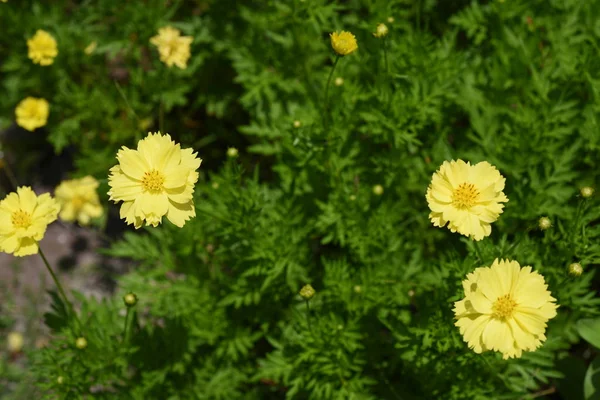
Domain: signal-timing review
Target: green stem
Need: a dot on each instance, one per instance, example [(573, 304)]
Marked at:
[(126, 327), (10, 175), (308, 316), (385, 56), (477, 250), (61, 291), (325, 108)]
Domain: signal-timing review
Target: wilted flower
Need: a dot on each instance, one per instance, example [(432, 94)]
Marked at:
[(466, 197), (23, 220), (505, 309), (14, 342), (173, 48), (544, 223), (155, 180), (343, 43), (381, 31), (42, 48), (32, 113), (575, 269), (79, 200)]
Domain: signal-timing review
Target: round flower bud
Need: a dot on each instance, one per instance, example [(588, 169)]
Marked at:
[(130, 299), (544, 223), (81, 343), (232, 152), (60, 380), (307, 292), (297, 124), (339, 81), (575, 269), (14, 342), (586, 192), (378, 190), (357, 289), (381, 31), (215, 185), (390, 20)]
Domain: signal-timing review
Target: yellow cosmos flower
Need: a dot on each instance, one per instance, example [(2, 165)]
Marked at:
[(23, 220), (42, 48), (155, 180), (381, 31), (32, 113), (79, 200), (505, 309), (466, 197), (172, 48), (343, 43)]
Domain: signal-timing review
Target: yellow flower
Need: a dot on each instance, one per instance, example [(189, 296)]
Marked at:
[(23, 220), (79, 200), (505, 309), (343, 43), (466, 197), (172, 48), (32, 113), (90, 48), (155, 180), (42, 48), (15, 342), (381, 31)]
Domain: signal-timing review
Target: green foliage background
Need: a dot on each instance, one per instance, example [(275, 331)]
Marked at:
[(514, 83)]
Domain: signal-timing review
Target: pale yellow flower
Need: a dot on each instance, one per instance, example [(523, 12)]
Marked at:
[(15, 342), (343, 43), (155, 180), (172, 48), (468, 198), (79, 200), (381, 31), (42, 48), (23, 220), (90, 48), (505, 309), (32, 113)]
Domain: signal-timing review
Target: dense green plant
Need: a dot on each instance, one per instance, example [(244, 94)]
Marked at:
[(219, 316)]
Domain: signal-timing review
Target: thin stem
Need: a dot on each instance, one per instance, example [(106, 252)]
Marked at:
[(325, 109), (58, 285), (477, 250), (308, 316), (126, 327), (161, 116), (10, 175), (385, 56)]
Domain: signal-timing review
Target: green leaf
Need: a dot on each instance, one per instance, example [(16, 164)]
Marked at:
[(591, 383), (589, 329)]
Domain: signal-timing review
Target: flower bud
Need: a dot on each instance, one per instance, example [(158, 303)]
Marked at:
[(357, 289), (352, 197), (81, 343), (297, 124), (60, 380), (130, 299), (378, 190), (215, 185), (586, 192), (15, 342), (575, 269), (339, 81), (390, 20), (307, 292), (232, 152), (544, 223), (381, 31)]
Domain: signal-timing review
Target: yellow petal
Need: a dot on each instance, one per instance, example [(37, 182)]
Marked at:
[(132, 163)]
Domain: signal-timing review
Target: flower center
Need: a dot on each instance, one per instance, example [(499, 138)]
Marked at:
[(77, 202), (503, 307), (465, 196), (21, 219), (153, 181)]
